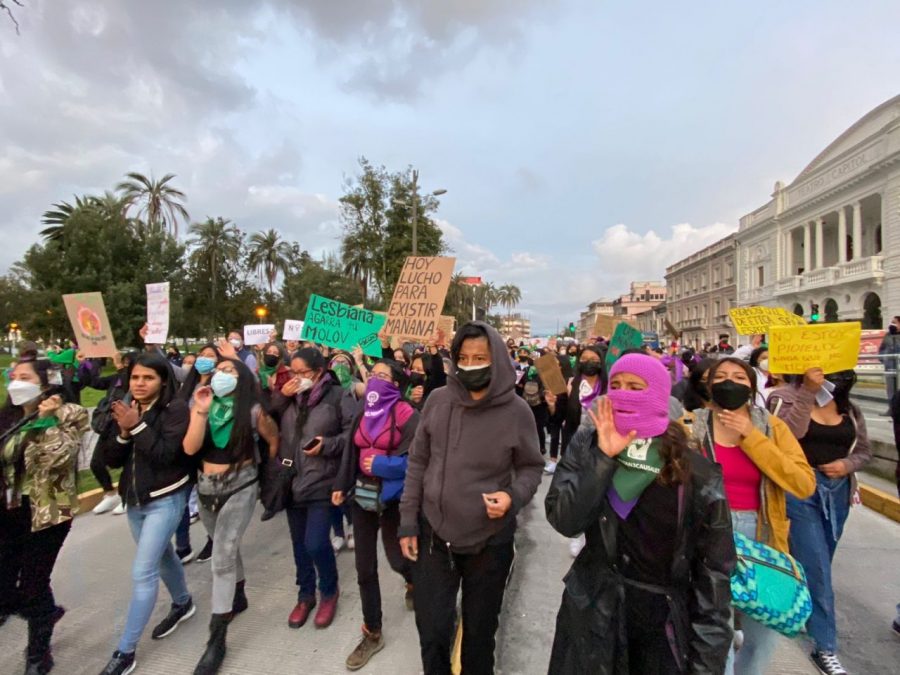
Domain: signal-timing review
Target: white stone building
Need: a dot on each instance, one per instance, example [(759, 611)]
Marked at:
[(832, 237)]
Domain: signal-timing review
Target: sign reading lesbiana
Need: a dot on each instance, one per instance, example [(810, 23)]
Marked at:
[(340, 326)]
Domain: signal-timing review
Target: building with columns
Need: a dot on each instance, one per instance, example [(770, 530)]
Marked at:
[(832, 236), (701, 290), (585, 327)]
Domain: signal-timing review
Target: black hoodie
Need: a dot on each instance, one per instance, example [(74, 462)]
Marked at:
[(464, 449)]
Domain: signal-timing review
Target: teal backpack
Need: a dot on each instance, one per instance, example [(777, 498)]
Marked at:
[(770, 587)]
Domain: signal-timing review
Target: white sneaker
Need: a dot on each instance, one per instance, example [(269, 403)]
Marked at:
[(108, 503), (576, 544), (351, 542), (120, 509), (338, 543), (550, 468)]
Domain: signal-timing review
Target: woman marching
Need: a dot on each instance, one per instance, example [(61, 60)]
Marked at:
[(761, 462), (313, 440), (155, 481), (650, 593), (224, 420), (41, 436), (834, 439), (372, 473)]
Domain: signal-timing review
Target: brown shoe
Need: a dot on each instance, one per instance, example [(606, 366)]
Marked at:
[(372, 642), (410, 601)]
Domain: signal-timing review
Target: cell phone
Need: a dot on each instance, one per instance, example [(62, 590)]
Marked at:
[(310, 444)]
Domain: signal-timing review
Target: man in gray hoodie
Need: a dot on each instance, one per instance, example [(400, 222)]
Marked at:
[(473, 464)]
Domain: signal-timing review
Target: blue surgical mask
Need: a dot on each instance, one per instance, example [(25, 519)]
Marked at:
[(205, 364), (223, 383)]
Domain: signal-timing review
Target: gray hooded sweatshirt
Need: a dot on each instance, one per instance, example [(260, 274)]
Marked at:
[(466, 448)]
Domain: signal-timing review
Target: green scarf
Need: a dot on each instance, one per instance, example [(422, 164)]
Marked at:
[(573, 360), (264, 373), (41, 423), (344, 376), (221, 420), (639, 465)]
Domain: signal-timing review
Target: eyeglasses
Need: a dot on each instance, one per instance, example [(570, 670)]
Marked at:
[(304, 373), (384, 377)]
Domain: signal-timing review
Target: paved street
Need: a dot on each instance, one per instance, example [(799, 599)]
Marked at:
[(92, 581)]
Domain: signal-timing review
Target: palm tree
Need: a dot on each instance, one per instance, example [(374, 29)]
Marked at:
[(509, 295), (214, 241), (58, 217), (159, 201), (269, 255), (358, 260)]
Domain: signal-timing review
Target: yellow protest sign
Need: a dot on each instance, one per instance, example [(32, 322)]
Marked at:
[(830, 346), (758, 320)]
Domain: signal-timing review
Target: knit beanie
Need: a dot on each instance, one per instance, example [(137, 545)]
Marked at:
[(647, 411)]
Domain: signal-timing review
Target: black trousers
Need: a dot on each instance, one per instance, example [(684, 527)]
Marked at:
[(26, 563), (541, 417), (98, 468), (649, 651), (437, 576), (365, 530)]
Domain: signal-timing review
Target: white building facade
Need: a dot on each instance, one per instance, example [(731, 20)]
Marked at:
[(832, 237)]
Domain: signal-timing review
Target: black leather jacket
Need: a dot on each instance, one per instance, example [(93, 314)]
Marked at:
[(699, 597)]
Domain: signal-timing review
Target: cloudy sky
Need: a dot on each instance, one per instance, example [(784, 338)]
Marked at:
[(583, 143)]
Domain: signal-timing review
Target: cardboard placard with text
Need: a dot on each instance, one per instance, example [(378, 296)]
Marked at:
[(258, 334), (445, 331), (293, 329), (604, 325), (87, 314), (833, 347), (551, 374), (419, 295), (625, 337), (338, 325), (157, 313), (758, 320)]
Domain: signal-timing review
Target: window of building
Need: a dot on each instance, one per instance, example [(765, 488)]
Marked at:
[(715, 275), (760, 277), (729, 272), (718, 308)]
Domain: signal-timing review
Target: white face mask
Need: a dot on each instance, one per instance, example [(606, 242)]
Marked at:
[(21, 392), (235, 343), (764, 365), (305, 385)]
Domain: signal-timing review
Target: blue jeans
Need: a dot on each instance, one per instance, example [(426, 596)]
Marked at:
[(759, 640), (816, 527), (310, 526), (152, 526)]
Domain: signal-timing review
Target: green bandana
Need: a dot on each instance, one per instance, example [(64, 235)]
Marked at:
[(221, 420), (41, 423), (342, 370), (639, 465), (573, 360), (264, 373)]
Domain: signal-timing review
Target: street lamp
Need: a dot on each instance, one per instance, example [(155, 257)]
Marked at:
[(414, 206), (261, 313)]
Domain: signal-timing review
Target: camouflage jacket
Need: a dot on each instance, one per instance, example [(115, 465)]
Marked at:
[(49, 476)]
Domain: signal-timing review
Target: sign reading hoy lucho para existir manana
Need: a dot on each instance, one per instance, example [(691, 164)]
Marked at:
[(415, 310)]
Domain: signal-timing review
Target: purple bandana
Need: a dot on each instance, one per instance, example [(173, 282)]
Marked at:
[(381, 396), (619, 505), (587, 394)]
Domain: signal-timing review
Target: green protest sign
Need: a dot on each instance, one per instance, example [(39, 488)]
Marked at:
[(625, 337), (340, 326)]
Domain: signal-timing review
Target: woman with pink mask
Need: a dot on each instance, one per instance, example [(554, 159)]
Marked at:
[(650, 592)]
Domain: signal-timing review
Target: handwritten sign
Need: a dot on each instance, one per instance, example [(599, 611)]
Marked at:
[(87, 314), (758, 320), (551, 374), (293, 329), (157, 313), (419, 295), (445, 331), (258, 334), (830, 346), (338, 325), (625, 337)]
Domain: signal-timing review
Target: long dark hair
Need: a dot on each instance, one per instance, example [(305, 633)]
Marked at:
[(697, 393), (193, 378), (314, 360), (245, 398), (674, 450), (161, 366), (573, 405), (755, 354)]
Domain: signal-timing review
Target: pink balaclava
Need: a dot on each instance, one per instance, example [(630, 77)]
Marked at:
[(646, 412)]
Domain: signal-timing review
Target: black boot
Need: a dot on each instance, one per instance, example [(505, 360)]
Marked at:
[(215, 649), (240, 603), (39, 660)]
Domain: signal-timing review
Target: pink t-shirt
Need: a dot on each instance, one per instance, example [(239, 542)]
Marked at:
[(741, 477)]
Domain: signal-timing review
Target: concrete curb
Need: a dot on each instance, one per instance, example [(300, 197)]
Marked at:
[(88, 500), (886, 504)]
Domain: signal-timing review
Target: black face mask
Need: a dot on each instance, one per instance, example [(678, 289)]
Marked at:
[(590, 368), (843, 383), (523, 359), (730, 395), (271, 360), (417, 379), (475, 380)]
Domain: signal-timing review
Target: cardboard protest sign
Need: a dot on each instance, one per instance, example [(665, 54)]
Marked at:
[(445, 331), (624, 337), (157, 313), (830, 346), (671, 330), (258, 334), (551, 374), (419, 295), (293, 329), (338, 325), (758, 320), (604, 325), (87, 314)]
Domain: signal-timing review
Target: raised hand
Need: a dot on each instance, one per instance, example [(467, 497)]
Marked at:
[(610, 441)]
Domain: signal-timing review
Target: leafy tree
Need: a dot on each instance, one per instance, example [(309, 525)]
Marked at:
[(156, 199), (269, 256), (324, 277)]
